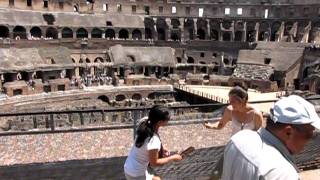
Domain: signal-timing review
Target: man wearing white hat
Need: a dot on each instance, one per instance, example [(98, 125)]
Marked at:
[(267, 154)]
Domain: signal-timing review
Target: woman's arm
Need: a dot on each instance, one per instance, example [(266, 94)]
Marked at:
[(258, 118), (223, 121), (156, 161)]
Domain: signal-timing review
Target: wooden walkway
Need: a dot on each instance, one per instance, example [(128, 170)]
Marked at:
[(220, 94)]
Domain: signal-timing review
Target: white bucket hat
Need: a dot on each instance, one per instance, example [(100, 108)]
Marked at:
[(295, 110)]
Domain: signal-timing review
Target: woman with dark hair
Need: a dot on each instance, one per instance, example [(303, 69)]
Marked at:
[(242, 114), (147, 148)]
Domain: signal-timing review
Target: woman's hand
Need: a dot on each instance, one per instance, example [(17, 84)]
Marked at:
[(176, 157), (211, 125)]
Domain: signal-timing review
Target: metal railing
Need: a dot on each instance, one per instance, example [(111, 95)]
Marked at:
[(181, 115)]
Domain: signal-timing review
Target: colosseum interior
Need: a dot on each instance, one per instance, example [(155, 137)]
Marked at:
[(83, 56)]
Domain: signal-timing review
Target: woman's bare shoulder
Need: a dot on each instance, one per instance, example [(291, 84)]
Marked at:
[(228, 108)]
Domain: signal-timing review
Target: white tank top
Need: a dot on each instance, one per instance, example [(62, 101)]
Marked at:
[(238, 126)]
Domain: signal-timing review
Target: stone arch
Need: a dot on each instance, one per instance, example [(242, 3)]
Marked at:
[(96, 33), (152, 96), (123, 34), (148, 33), (226, 36), (4, 32), (73, 61), (175, 23), (162, 27), (19, 31), (120, 97), (136, 34), (274, 29), (201, 23), (88, 60), (52, 33), (227, 24), (201, 29), (67, 33), (82, 33), (98, 60), (190, 60), (179, 60), (175, 36), (238, 36), (287, 27), (136, 96), (189, 28), (201, 34), (251, 32), (149, 28), (263, 31), (251, 36), (110, 33), (161, 34), (36, 32), (214, 35), (104, 98), (148, 22)]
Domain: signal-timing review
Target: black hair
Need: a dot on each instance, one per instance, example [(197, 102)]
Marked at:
[(146, 129), (239, 92)]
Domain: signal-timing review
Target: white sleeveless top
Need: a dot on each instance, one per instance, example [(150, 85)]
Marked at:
[(238, 126)]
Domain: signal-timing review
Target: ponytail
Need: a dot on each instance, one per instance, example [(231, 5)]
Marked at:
[(146, 129)]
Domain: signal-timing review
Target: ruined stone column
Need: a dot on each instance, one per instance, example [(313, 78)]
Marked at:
[(281, 32), (143, 34), (92, 70), (143, 69), (232, 31), (306, 32), (74, 34), (195, 28), (28, 32), (208, 29), (89, 33), (130, 35), (181, 29), (11, 32), (155, 35), (59, 33), (257, 27), (244, 34), (168, 31), (116, 34), (77, 72)]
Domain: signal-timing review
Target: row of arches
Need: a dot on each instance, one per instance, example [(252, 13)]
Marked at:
[(267, 31), (96, 60), (225, 30), (66, 32), (122, 97)]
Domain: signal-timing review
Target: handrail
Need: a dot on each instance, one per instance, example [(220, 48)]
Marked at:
[(137, 113)]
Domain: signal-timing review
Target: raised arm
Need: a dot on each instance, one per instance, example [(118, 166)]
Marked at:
[(226, 117)]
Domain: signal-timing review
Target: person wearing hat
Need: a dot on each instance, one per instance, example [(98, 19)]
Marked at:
[(267, 153)]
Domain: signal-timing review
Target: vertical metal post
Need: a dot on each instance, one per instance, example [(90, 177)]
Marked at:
[(103, 116), (51, 120), (136, 116)]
